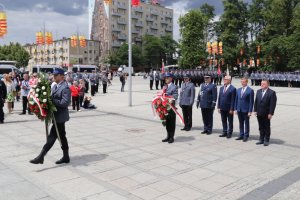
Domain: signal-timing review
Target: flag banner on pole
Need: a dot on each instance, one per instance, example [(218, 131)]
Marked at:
[(108, 2), (162, 66), (3, 24), (219, 69), (135, 2)]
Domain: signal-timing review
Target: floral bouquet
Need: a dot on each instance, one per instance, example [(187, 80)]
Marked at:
[(161, 105), (40, 102)]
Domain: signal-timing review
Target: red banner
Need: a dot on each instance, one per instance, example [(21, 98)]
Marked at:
[(135, 2)]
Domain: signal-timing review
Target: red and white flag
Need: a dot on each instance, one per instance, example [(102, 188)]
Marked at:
[(135, 2), (162, 66)]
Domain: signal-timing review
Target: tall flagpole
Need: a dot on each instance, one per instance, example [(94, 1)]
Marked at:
[(129, 53)]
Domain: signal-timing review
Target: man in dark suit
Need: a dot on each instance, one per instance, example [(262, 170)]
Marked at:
[(207, 98), (244, 106), (3, 94), (226, 106), (264, 107), (186, 101), (171, 91), (61, 98)]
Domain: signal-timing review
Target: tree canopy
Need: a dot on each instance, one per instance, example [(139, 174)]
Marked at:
[(15, 52)]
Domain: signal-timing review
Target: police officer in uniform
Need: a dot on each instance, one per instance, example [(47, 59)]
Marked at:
[(156, 77), (186, 101), (3, 93), (151, 77), (172, 91), (61, 98), (93, 82), (207, 99)]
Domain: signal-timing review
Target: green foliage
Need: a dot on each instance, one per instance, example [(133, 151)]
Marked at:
[(193, 41), (15, 52)]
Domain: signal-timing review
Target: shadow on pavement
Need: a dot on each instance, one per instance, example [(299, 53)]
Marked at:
[(83, 160), (184, 138)]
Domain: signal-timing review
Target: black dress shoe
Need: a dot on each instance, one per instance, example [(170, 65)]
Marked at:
[(239, 138), (39, 159), (259, 143), (64, 159), (1, 122), (266, 144), (204, 132), (229, 136), (208, 133), (183, 129), (22, 114), (171, 140), (165, 140), (223, 135), (187, 129), (245, 139)]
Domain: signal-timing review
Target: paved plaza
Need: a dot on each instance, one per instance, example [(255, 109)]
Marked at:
[(117, 154)]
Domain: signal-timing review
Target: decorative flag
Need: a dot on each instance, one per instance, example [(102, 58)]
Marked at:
[(74, 41), (258, 49), (209, 48), (162, 66), (215, 47), (227, 71), (241, 51), (135, 2), (3, 24), (220, 48), (108, 2), (219, 69), (82, 41)]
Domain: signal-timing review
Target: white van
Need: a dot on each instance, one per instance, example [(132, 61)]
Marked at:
[(82, 68), (44, 68), (5, 69)]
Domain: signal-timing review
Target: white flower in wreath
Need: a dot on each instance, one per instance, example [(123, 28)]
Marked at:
[(37, 90), (45, 93), (31, 102), (44, 100), (31, 96), (36, 95), (43, 88), (39, 81), (31, 90)]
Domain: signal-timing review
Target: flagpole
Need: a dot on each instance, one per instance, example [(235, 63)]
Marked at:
[(129, 53)]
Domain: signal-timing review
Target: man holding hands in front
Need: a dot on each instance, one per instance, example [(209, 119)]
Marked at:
[(264, 107)]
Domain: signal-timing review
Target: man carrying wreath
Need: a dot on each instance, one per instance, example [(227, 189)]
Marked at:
[(61, 98), (171, 91)]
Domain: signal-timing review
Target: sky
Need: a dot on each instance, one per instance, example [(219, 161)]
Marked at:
[(65, 17)]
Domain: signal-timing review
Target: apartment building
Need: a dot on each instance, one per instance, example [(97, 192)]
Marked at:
[(62, 53), (110, 23)]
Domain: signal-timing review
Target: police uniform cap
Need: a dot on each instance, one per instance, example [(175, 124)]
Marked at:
[(167, 75), (58, 71)]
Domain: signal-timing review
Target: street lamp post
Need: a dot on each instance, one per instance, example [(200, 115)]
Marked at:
[(129, 53)]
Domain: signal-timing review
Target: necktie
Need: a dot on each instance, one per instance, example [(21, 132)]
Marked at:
[(225, 88), (263, 93), (243, 90)]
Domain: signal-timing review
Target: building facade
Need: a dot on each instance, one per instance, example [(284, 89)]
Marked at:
[(62, 53), (110, 23)]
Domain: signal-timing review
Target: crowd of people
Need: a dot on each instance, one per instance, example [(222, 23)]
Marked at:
[(229, 101)]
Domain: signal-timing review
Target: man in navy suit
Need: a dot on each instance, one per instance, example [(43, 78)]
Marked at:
[(207, 99), (186, 101), (264, 107), (226, 106), (61, 98), (171, 91), (244, 106)]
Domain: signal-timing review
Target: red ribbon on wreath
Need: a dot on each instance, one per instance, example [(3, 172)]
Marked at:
[(160, 105)]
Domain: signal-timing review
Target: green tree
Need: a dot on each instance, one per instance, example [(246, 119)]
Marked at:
[(233, 30), (15, 52), (193, 42), (169, 49), (153, 51), (120, 57)]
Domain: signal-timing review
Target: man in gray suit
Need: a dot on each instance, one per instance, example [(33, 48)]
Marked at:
[(61, 98), (186, 101), (171, 91)]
